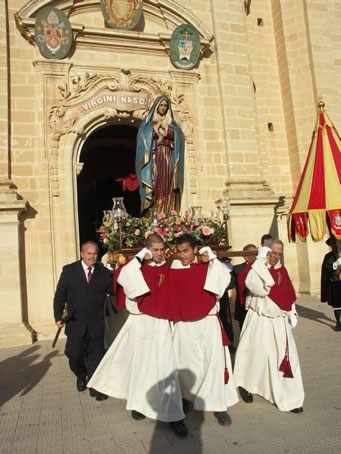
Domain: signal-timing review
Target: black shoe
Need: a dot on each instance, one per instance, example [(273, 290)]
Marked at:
[(97, 395), (185, 405), (297, 410), (137, 415), (81, 384), (92, 392), (338, 326), (223, 418), (179, 428), (245, 395)]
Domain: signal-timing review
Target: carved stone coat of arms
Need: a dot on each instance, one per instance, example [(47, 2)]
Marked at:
[(124, 14)]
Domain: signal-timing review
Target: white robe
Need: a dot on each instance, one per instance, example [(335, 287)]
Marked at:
[(262, 346), (199, 352), (139, 366)]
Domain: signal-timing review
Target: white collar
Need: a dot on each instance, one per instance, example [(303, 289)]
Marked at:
[(156, 264), (176, 264), (86, 267)]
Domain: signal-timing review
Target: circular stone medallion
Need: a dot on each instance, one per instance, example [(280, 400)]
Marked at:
[(124, 14), (185, 47), (53, 33)]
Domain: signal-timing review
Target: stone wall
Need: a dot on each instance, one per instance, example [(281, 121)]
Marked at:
[(251, 102)]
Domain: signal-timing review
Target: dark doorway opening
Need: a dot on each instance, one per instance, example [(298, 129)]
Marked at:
[(108, 157)]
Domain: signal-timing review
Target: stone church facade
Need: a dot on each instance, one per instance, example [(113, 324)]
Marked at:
[(247, 110)]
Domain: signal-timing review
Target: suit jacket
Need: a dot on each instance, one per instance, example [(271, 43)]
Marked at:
[(239, 311), (330, 281), (85, 301)]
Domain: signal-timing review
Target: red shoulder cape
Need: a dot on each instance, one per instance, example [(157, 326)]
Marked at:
[(282, 293), (150, 303), (187, 298), (155, 303), (175, 294)]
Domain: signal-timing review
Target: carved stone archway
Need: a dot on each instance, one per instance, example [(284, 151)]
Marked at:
[(81, 88), (70, 124)]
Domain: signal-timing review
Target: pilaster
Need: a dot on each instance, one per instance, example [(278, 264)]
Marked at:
[(236, 91), (14, 328)]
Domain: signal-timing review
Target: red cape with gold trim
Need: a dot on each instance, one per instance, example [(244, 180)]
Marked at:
[(317, 202)]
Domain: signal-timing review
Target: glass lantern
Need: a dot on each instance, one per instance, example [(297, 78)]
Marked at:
[(106, 216), (225, 207), (153, 217), (196, 213), (118, 209)]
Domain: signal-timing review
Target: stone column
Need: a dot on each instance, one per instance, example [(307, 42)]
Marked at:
[(14, 323), (14, 328)]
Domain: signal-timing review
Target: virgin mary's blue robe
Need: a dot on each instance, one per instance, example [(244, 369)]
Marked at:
[(144, 162)]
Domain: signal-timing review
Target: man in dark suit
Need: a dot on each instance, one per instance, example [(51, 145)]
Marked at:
[(238, 277), (331, 279), (83, 286)]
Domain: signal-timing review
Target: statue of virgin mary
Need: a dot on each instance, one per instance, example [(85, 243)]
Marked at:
[(160, 159)]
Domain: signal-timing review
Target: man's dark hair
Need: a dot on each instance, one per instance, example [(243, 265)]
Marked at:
[(154, 238), (187, 238), (89, 242), (249, 246), (277, 241), (266, 240)]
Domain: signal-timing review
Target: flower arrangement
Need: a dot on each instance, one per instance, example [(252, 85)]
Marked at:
[(132, 232)]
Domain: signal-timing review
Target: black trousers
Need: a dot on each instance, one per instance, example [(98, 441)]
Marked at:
[(84, 354), (240, 313), (225, 316)]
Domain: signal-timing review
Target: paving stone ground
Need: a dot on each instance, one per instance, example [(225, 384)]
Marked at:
[(42, 412)]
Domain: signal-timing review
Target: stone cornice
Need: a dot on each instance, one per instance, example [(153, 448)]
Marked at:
[(244, 190), (54, 67), (256, 200), (168, 11), (9, 198)]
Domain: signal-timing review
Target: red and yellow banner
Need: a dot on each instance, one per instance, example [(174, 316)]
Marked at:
[(317, 201)]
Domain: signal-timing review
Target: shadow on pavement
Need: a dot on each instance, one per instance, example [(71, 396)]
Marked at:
[(21, 373), (316, 316), (164, 439)]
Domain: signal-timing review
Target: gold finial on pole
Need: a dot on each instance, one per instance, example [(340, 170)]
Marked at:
[(320, 103)]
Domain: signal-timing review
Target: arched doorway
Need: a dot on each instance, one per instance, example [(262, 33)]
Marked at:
[(108, 156)]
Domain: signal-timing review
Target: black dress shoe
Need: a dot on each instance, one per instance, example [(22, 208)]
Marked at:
[(223, 418), (179, 428), (338, 326), (92, 392), (100, 396), (245, 395), (81, 384), (137, 415), (97, 395), (297, 410)]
